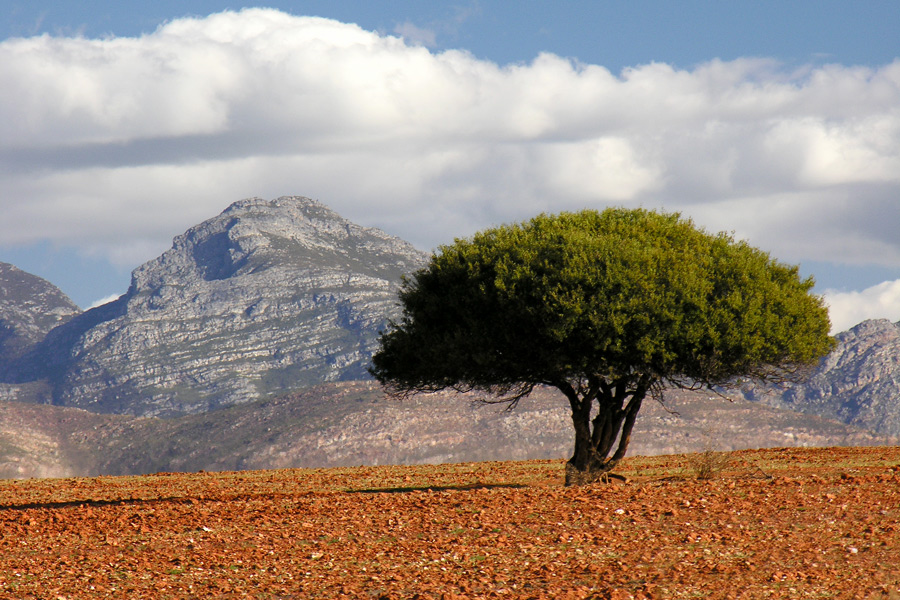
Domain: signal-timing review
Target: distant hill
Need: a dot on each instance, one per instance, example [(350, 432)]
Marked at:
[(858, 383), (353, 423), (267, 297)]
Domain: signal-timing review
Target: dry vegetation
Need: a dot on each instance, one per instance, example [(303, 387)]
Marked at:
[(785, 523)]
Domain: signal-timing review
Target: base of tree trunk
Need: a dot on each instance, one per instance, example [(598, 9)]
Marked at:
[(576, 477)]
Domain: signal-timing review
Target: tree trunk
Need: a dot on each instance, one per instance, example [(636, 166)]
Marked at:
[(618, 406)]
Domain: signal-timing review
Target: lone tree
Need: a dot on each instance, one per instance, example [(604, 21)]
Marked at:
[(609, 307)]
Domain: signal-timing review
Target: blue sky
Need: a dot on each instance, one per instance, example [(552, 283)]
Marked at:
[(615, 34), (127, 122)]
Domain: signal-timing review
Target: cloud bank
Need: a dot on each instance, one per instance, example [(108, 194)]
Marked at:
[(849, 308), (116, 145)]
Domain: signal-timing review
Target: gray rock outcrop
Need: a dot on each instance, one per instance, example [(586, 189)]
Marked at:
[(267, 297), (29, 308), (858, 383)]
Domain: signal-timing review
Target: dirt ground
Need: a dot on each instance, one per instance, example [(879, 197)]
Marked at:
[(783, 523)]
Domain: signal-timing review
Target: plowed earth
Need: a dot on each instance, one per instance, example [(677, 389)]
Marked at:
[(786, 523)]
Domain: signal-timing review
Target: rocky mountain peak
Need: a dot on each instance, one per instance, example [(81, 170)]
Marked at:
[(255, 234), (858, 383), (29, 307), (267, 296), (864, 347), (871, 333)]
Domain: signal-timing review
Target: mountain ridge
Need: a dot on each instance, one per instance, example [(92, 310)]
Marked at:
[(271, 307), (266, 296), (858, 383), (30, 307)]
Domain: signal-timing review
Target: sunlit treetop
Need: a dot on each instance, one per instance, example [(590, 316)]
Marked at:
[(612, 294)]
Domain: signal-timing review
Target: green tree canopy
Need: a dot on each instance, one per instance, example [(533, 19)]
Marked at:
[(607, 307)]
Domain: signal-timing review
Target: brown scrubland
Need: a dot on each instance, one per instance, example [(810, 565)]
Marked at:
[(777, 523)]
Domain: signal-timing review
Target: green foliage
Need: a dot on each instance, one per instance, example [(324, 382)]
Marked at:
[(611, 294)]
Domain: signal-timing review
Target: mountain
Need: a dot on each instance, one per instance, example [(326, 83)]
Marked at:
[(858, 383), (244, 346), (29, 308), (267, 297), (354, 423)]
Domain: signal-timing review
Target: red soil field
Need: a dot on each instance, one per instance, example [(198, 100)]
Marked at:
[(782, 523)]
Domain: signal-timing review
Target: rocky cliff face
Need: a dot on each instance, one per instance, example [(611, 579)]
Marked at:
[(29, 308), (269, 296), (858, 383)]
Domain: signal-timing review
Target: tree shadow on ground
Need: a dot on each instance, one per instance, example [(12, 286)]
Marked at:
[(438, 488)]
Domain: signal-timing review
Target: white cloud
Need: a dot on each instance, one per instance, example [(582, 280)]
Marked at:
[(847, 309), (117, 145), (105, 300)]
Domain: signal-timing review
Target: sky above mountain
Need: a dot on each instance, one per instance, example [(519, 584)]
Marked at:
[(125, 123)]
